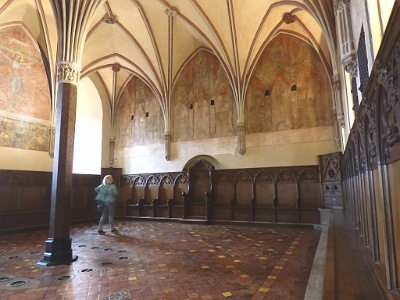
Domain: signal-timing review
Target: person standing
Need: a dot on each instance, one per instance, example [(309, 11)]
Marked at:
[(107, 193)]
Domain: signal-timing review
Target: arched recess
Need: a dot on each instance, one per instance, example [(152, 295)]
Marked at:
[(88, 130), (139, 118), (25, 98), (202, 105), (211, 160), (273, 104)]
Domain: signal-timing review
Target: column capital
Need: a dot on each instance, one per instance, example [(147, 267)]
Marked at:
[(68, 72)]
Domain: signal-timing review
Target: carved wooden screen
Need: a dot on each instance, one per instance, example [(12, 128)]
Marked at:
[(244, 189), (125, 190), (223, 190), (151, 189), (286, 189), (138, 189), (264, 189), (223, 195), (310, 189), (181, 185), (166, 191)]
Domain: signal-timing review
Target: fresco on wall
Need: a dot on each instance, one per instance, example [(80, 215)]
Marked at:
[(139, 119), (25, 105), (202, 101), (289, 89)]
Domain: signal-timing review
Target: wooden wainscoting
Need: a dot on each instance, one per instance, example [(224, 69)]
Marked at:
[(25, 199)]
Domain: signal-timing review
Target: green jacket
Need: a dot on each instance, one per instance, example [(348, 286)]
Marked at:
[(106, 192)]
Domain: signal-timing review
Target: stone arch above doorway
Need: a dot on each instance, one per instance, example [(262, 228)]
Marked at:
[(211, 160)]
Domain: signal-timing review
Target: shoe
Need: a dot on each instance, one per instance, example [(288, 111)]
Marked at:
[(101, 232), (114, 231)]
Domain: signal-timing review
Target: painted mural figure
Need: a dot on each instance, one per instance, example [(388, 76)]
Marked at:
[(182, 120), (281, 106), (16, 85), (7, 134), (140, 123)]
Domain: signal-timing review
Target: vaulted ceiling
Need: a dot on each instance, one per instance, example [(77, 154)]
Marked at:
[(152, 39)]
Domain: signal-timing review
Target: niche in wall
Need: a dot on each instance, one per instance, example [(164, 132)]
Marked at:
[(201, 82), (25, 104), (299, 91)]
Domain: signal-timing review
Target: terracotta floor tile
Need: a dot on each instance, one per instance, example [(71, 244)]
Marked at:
[(169, 261)]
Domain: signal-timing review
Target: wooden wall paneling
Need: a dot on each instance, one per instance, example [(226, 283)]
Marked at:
[(394, 175), (360, 126), (181, 185), (125, 189), (310, 196), (9, 200), (286, 197), (151, 189), (373, 216), (200, 181), (360, 206), (10, 192), (264, 194), (83, 202), (26, 198), (369, 239), (29, 198), (286, 189), (243, 194), (380, 212), (136, 196), (79, 197), (22, 220), (223, 188), (165, 193), (353, 186), (388, 229), (310, 189), (388, 73), (364, 209)]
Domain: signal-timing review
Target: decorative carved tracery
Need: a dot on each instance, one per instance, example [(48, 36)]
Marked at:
[(389, 79)]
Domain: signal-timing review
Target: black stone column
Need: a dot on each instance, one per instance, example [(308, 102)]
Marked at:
[(58, 245)]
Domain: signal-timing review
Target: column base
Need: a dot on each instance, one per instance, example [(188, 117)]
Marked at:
[(58, 252)]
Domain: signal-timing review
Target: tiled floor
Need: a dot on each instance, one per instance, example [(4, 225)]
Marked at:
[(163, 260)]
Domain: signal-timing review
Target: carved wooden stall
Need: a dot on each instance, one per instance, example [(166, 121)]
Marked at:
[(197, 201), (154, 195), (370, 166), (285, 195)]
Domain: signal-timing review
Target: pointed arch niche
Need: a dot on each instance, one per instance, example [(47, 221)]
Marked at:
[(289, 88), (202, 105), (88, 130)]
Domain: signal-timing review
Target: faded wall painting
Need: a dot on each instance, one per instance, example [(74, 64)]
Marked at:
[(139, 119), (25, 104), (289, 89), (202, 101)]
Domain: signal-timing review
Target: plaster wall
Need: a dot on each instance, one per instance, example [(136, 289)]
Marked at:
[(284, 148), (28, 160)]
